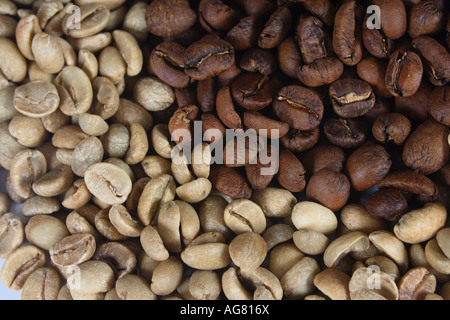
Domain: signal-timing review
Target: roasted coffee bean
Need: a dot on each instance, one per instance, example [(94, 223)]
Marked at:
[(167, 62), (254, 91), (289, 57), (244, 35), (404, 73), (345, 133), (436, 59), (393, 19), (411, 182), (376, 42), (216, 15), (329, 188), (183, 120), (169, 18), (265, 126), (425, 18), (230, 182), (393, 127), (351, 98), (313, 39), (300, 141), (367, 166), (320, 157), (206, 94), (256, 7), (347, 33), (427, 149), (299, 107), (276, 28), (387, 204), (291, 174), (258, 60), (208, 58), (320, 72), (439, 105)]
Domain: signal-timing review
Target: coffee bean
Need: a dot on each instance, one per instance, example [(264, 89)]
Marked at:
[(351, 98), (347, 37), (299, 107), (427, 148), (367, 166), (388, 204), (436, 59), (167, 62), (376, 42), (439, 105), (208, 58), (429, 12), (321, 72), (393, 127), (276, 28), (345, 133), (216, 15), (404, 73), (299, 141), (254, 91), (313, 39), (169, 18)]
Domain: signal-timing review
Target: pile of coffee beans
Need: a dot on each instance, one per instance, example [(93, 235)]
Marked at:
[(225, 149)]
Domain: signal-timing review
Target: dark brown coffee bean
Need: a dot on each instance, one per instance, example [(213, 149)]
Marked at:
[(367, 166), (291, 174), (211, 121), (265, 126), (256, 7), (427, 148), (230, 182), (322, 9), (169, 18), (393, 18), (393, 127), (300, 141), (404, 73), (376, 42), (425, 18), (412, 183), (436, 59), (208, 57), (444, 174), (216, 15), (320, 72), (329, 156), (347, 32), (167, 63), (346, 133), (258, 60), (183, 119), (244, 35), (351, 98), (260, 175), (439, 105), (206, 94), (276, 28), (313, 39), (226, 111), (373, 71), (387, 204), (329, 188), (254, 91), (299, 107), (289, 57), (184, 96), (415, 107)]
